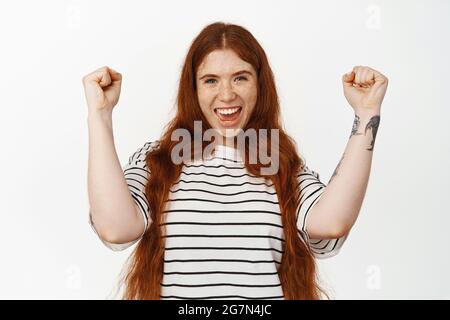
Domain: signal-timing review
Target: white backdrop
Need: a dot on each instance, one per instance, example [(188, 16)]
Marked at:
[(398, 248)]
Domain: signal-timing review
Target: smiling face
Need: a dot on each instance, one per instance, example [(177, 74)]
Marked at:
[(226, 90)]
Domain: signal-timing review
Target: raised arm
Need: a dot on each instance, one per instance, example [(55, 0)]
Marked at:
[(113, 212), (337, 210)]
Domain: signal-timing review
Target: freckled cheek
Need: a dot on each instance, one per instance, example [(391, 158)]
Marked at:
[(206, 100), (250, 100)]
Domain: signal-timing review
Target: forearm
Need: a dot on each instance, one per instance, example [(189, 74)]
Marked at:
[(112, 207), (344, 193)]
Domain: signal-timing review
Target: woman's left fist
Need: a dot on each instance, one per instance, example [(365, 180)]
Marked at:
[(364, 88)]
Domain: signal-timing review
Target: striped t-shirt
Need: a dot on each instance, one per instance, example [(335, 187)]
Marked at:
[(224, 235)]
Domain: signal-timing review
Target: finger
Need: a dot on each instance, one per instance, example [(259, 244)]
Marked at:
[(93, 76), (348, 78), (369, 76), (94, 79), (103, 78), (365, 74), (357, 71), (115, 76), (370, 80), (378, 77)]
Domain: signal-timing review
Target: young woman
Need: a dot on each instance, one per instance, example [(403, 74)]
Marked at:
[(216, 226)]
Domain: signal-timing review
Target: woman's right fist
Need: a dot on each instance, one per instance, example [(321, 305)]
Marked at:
[(102, 89)]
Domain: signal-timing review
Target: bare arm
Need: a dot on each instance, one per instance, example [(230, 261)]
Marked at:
[(113, 212), (115, 215), (342, 199), (338, 208)]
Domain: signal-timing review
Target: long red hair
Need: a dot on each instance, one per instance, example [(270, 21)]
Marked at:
[(297, 272)]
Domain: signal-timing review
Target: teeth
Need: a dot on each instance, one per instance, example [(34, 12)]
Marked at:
[(227, 111)]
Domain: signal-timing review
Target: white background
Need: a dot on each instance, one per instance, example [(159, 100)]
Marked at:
[(398, 248)]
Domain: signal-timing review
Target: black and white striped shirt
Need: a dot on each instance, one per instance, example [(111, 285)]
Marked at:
[(224, 233)]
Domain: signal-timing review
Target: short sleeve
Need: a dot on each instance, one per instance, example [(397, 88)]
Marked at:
[(311, 189), (136, 175)]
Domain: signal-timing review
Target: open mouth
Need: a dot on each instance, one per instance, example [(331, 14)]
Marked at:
[(228, 116)]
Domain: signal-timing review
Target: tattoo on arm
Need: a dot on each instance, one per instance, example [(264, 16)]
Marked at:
[(373, 124), (337, 168), (355, 127)]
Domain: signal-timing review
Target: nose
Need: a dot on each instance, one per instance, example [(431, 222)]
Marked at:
[(226, 93)]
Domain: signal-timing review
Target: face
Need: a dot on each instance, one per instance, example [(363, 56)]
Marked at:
[(226, 90)]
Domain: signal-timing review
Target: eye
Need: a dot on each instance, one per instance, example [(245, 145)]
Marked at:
[(241, 77), (208, 80)]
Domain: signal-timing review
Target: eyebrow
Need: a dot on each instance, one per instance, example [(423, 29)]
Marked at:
[(234, 74)]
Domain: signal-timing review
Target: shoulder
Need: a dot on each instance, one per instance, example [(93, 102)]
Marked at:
[(144, 149), (306, 173), (138, 157)]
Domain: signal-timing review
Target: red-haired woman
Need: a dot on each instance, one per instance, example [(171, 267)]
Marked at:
[(216, 226)]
